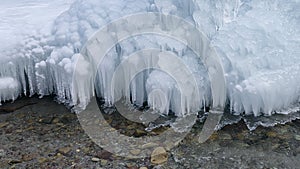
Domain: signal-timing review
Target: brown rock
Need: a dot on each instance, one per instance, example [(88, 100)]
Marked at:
[(135, 151), (29, 157), (104, 155), (64, 150), (143, 168), (159, 156)]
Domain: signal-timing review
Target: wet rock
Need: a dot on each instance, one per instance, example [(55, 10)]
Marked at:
[(271, 134), (139, 133), (225, 136), (214, 136), (159, 156)]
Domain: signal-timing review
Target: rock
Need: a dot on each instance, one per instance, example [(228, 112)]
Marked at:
[(159, 156), (135, 151), (14, 161), (46, 120), (4, 124), (95, 159), (271, 134), (214, 136), (225, 136), (29, 157), (64, 150), (103, 162), (86, 150), (55, 120), (104, 155), (42, 160), (143, 168), (130, 165), (19, 131), (149, 145), (2, 153), (139, 133), (297, 137)]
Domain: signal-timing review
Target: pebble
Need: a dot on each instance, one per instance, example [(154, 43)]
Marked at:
[(143, 168), (14, 161), (130, 165), (135, 151), (2, 153), (271, 134), (55, 120), (159, 156), (297, 137), (42, 160), (95, 159), (225, 136), (4, 124), (64, 150), (103, 162)]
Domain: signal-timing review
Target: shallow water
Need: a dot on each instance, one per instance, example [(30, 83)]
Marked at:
[(39, 133)]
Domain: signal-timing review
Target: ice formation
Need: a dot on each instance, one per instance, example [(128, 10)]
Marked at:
[(257, 41)]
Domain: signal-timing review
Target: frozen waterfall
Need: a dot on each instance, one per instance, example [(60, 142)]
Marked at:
[(258, 43)]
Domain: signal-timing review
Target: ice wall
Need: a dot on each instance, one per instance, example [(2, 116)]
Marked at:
[(258, 42)]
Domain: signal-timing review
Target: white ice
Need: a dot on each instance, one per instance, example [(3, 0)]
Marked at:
[(258, 42)]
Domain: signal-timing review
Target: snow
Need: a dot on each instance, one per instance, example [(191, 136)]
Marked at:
[(257, 41), (27, 17)]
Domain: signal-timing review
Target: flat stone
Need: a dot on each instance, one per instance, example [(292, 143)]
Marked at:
[(149, 145), (159, 156)]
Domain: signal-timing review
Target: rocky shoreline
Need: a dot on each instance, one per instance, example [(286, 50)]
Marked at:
[(40, 133)]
